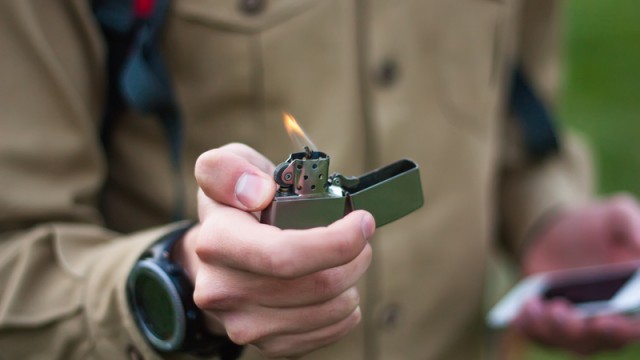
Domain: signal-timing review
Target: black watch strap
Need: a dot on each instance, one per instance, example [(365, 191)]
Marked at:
[(189, 334)]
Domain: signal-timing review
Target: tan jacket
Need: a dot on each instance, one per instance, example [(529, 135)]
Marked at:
[(371, 81)]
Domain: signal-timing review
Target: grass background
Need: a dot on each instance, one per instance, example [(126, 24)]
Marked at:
[(602, 91), (601, 99)]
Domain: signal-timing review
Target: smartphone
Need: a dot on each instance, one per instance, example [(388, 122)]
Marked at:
[(595, 290)]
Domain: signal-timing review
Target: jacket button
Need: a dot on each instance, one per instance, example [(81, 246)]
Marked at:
[(389, 316), (387, 73), (252, 7)]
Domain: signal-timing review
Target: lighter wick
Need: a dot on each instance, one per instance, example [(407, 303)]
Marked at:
[(307, 151)]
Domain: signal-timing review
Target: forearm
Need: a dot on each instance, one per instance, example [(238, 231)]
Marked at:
[(530, 195), (67, 289)]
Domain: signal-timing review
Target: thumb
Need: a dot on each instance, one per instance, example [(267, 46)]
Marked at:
[(235, 175)]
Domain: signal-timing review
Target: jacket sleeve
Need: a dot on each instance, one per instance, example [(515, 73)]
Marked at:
[(62, 274), (531, 191)]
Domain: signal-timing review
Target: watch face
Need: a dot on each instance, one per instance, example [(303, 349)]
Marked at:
[(157, 306), (157, 309)]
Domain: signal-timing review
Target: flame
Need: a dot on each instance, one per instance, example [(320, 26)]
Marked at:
[(295, 132)]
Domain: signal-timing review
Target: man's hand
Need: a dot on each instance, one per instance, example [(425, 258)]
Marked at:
[(287, 292), (599, 233)]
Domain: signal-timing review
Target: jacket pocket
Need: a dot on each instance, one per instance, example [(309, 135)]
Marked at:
[(468, 45), (244, 16)]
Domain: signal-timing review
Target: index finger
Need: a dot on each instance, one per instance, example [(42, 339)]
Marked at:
[(243, 243), (236, 175)]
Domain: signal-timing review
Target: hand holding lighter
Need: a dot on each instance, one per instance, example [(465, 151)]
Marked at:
[(308, 197)]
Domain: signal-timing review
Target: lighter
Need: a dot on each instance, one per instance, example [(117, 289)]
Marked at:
[(308, 197)]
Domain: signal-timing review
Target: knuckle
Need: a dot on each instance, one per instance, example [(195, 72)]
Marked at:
[(241, 335), (207, 299), (243, 330), (206, 249), (355, 318), (200, 163), (351, 298), (211, 241), (204, 252), (343, 307), (207, 160), (214, 298), (203, 299)]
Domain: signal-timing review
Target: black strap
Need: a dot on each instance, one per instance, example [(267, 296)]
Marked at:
[(207, 344), (535, 120)]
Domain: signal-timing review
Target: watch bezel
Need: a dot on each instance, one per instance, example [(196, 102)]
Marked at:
[(156, 272)]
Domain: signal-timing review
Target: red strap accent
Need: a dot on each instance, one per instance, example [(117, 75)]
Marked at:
[(143, 8)]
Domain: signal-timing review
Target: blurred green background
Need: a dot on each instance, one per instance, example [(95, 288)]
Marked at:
[(602, 100), (602, 92)]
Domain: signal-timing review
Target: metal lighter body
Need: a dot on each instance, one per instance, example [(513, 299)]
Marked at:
[(308, 197)]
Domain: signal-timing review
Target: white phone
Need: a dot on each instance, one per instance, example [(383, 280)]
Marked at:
[(594, 290)]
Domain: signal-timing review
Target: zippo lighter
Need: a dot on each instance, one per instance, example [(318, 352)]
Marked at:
[(308, 197)]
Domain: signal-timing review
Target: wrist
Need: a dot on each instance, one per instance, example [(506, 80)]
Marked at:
[(161, 300)]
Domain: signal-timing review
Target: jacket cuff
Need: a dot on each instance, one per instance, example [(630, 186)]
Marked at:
[(536, 194), (111, 322)]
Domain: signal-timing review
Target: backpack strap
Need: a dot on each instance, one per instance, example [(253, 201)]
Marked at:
[(138, 78), (537, 123)]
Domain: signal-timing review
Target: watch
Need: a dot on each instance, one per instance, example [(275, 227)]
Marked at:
[(161, 300)]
